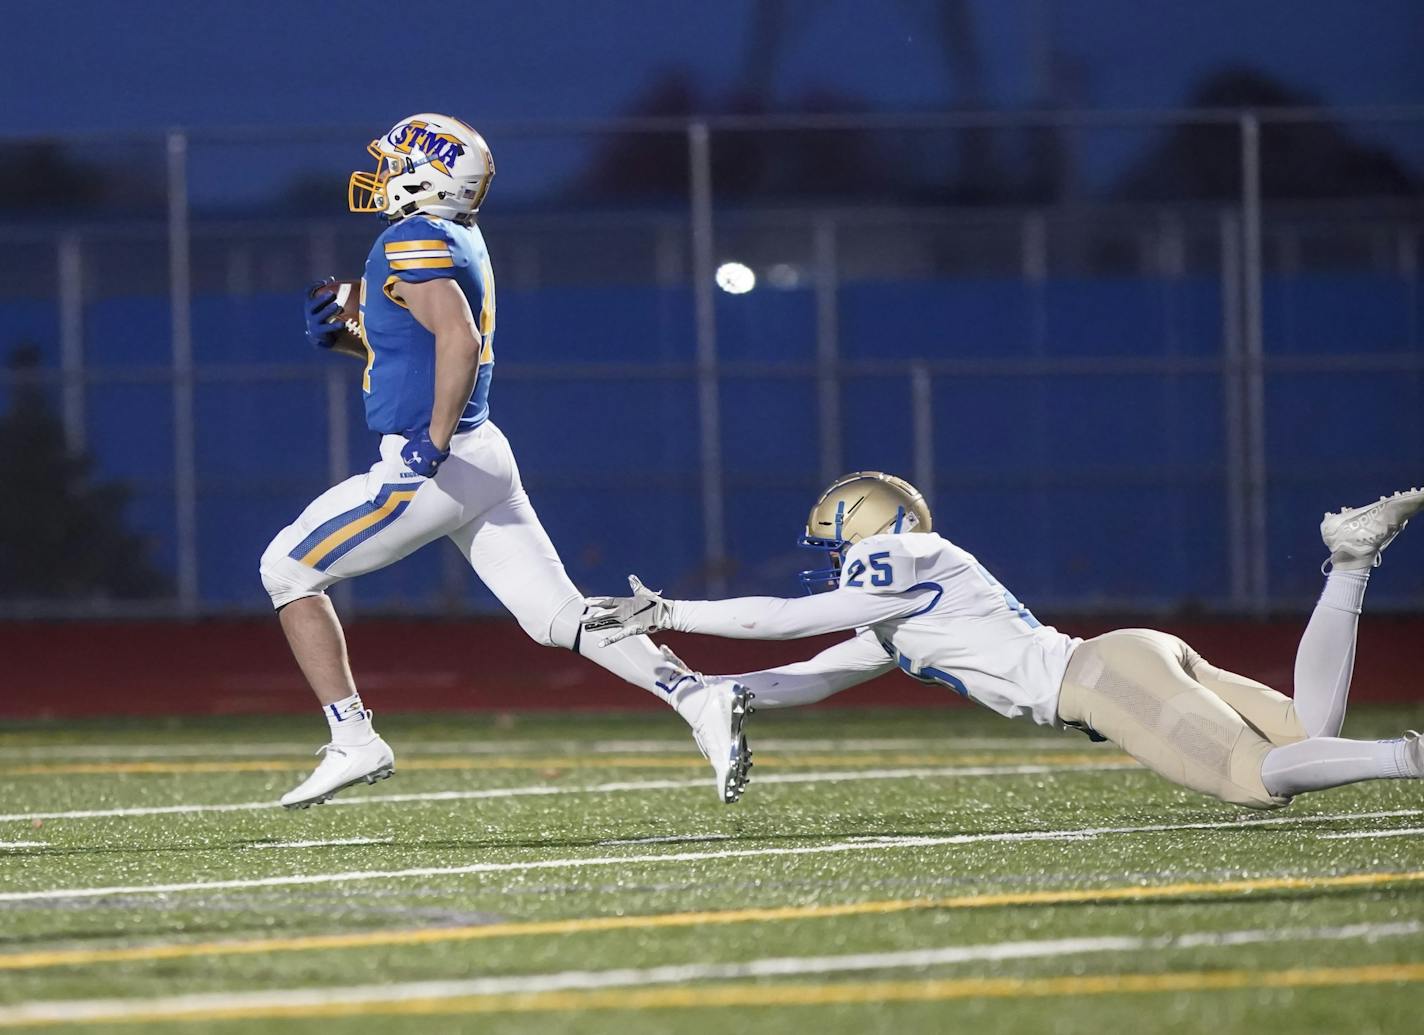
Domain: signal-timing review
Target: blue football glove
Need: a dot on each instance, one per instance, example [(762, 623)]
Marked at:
[(420, 454), (320, 307)]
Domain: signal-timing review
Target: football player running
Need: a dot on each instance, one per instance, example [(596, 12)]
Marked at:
[(920, 603), (427, 323)]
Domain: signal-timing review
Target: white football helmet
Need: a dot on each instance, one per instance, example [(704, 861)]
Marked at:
[(428, 163)]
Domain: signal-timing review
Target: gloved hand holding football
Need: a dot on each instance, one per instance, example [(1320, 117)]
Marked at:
[(333, 315)]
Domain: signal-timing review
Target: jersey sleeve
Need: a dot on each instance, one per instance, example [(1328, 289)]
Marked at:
[(836, 668), (779, 618), (879, 565), (419, 249)]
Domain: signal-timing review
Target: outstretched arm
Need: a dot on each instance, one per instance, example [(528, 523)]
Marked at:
[(779, 618), (878, 585), (847, 664)]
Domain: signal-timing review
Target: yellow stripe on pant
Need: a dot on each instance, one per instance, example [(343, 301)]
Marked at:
[(313, 557)]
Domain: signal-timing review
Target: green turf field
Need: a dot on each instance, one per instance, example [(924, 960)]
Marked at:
[(885, 872)]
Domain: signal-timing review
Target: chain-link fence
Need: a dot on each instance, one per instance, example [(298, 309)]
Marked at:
[(1130, 357)]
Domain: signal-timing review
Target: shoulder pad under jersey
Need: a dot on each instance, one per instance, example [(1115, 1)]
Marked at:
[(420, 248), (880, 564)]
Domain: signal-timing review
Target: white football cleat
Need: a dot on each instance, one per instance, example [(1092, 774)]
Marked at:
[(1357, 536), (344, 766), (717, 711)]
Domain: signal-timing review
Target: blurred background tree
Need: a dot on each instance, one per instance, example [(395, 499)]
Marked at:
[(1299, 161), (63, 535)]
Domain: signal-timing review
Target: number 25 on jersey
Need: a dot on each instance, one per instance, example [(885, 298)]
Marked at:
[(881, 573)]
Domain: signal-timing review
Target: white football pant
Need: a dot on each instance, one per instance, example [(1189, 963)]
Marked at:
[(477, 499)]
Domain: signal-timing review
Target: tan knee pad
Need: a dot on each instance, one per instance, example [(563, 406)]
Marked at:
[(1246, 787), (1223, 760)]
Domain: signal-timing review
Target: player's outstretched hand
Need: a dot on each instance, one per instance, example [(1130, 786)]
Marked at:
[(420, 455), (320, 307), (643, 613)]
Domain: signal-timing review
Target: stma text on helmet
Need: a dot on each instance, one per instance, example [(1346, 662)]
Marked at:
[(439, 149)]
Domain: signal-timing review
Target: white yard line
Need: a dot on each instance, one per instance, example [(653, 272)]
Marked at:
[(415, 746), (833, 776), (177, 1007), (583, 862), (323, 844), (1390, 832), (1220, 939), (24, 844)]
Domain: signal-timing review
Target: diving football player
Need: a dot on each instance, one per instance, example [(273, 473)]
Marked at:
[(427, 323), (918, 602)]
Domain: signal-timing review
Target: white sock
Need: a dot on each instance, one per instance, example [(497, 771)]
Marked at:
[(1325, 659), (1321, 762), (349, 720), (636, 660)]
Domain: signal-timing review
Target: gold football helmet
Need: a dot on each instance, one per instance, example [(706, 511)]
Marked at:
[(855, 507)]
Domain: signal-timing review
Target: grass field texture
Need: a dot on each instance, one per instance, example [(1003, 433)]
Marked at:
[(885, 872)]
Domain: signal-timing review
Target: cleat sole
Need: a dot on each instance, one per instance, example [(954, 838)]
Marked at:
[(381, 774), (736, 781), (384, 773)]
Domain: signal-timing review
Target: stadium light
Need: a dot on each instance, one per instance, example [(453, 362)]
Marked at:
[(735, 278)]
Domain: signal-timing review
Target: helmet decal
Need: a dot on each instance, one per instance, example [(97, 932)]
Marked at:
[(427, 163), (438, 149)]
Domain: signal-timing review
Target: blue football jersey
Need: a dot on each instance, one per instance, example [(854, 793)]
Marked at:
[(399, 382)]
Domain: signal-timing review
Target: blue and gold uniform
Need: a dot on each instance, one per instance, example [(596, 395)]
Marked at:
[(432, 172), (399, 382)]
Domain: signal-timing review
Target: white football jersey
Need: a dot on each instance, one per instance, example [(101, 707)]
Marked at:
[(969, 633)]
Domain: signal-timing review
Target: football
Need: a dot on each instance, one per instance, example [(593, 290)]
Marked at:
[(348, 297)]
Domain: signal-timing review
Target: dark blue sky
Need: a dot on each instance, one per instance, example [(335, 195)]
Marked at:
[(100, 64), (75, 65)]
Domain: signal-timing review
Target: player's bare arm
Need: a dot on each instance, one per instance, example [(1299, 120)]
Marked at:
[(442, 309)]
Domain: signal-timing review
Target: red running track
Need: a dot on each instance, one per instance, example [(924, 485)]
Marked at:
[(233, 667)]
